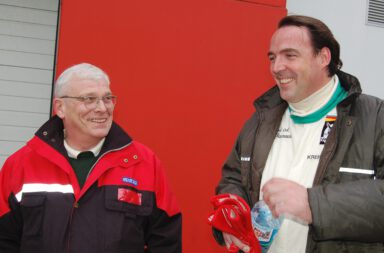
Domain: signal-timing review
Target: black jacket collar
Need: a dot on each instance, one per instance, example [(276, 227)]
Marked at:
[(52, 133)]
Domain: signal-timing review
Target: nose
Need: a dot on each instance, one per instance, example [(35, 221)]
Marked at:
[(277, 65), (100, 106)]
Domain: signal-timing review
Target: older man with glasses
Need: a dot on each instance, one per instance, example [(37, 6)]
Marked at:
[(81, 184)]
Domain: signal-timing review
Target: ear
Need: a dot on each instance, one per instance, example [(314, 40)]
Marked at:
[(325, 56), (59, 107)]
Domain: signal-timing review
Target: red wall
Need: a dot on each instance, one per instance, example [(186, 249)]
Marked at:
[(186, 73)]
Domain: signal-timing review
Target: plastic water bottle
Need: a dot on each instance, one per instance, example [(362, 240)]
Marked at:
[(264, 224)]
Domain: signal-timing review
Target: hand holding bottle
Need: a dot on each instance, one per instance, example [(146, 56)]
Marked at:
[(288, 198)]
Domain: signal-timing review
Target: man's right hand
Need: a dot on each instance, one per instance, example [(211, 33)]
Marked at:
[(231, 239)]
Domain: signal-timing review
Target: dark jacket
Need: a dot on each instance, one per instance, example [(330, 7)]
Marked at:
[(347, 208), (125, 204)]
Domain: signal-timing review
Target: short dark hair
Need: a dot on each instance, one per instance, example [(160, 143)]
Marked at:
[(321, 36)]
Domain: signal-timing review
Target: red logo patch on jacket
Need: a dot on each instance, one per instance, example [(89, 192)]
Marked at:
[(129, 196)]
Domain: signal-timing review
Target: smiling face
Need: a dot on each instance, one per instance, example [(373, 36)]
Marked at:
[(84, 127), (296, 68)]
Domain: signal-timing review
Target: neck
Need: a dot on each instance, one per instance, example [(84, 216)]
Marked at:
[(329, 96)]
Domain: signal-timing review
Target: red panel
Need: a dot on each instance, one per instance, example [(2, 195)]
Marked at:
[(186, 74), (276, 3)]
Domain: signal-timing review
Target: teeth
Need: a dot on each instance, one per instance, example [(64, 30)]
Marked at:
[(99, 120), (286, 80)]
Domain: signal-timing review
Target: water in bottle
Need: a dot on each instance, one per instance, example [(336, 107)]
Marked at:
[(264, 224)]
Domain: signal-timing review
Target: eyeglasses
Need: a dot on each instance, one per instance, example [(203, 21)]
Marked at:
[(91, 102)]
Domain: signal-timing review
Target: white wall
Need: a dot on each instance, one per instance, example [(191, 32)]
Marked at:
[(361, 45), (27, 49)]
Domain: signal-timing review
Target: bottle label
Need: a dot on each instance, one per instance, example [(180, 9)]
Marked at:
[(265, 226), (263, 235)]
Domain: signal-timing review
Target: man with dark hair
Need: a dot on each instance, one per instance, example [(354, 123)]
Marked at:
[(82, 185), (313, 150)]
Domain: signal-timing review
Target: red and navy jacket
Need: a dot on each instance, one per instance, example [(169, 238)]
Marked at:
[(125, 204)]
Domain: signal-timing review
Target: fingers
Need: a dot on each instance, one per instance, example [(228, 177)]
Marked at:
[(276, 185), (240, 244), (285, 197), (227, 239), (231, 240), (277, 208), (274, 194)]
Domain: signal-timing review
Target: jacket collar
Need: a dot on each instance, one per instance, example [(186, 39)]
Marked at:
[(272, 98), (52, 134)]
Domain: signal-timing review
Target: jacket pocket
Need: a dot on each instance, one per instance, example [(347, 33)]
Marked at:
[(125, 218), (32, 209), (129, 201)]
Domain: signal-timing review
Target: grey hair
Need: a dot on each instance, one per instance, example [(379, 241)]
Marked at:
[(81, 71)]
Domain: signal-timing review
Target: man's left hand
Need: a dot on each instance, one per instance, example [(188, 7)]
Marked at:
[(285, 197)]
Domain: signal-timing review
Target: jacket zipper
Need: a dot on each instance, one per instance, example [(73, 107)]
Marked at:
[(76, 204), (109, 151)]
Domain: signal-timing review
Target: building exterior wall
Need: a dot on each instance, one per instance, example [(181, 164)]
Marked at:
[(27, 48)]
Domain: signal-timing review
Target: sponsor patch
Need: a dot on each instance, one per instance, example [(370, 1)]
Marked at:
[(130, 180), (129, 196), (328, 124)]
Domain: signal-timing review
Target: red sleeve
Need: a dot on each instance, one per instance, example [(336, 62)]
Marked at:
[(165, 199), (10, 220), (10, 174)]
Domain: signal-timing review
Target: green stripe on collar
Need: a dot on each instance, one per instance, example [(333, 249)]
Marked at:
[(337, 97)]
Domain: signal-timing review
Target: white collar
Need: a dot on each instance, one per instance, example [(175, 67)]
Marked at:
[(316, 100), (73, 153)]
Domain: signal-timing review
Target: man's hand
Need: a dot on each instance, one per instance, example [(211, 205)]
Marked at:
[(287, 197), (229, 239)]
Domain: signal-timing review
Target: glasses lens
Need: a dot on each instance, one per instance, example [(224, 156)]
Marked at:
[(109, 100), (92, 102)]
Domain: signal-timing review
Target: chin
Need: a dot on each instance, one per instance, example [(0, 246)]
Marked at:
[(99, 133), (284, 96), (288, 96)]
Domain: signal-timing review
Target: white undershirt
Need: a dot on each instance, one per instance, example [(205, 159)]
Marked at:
[(295, 156), (73, 153)]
